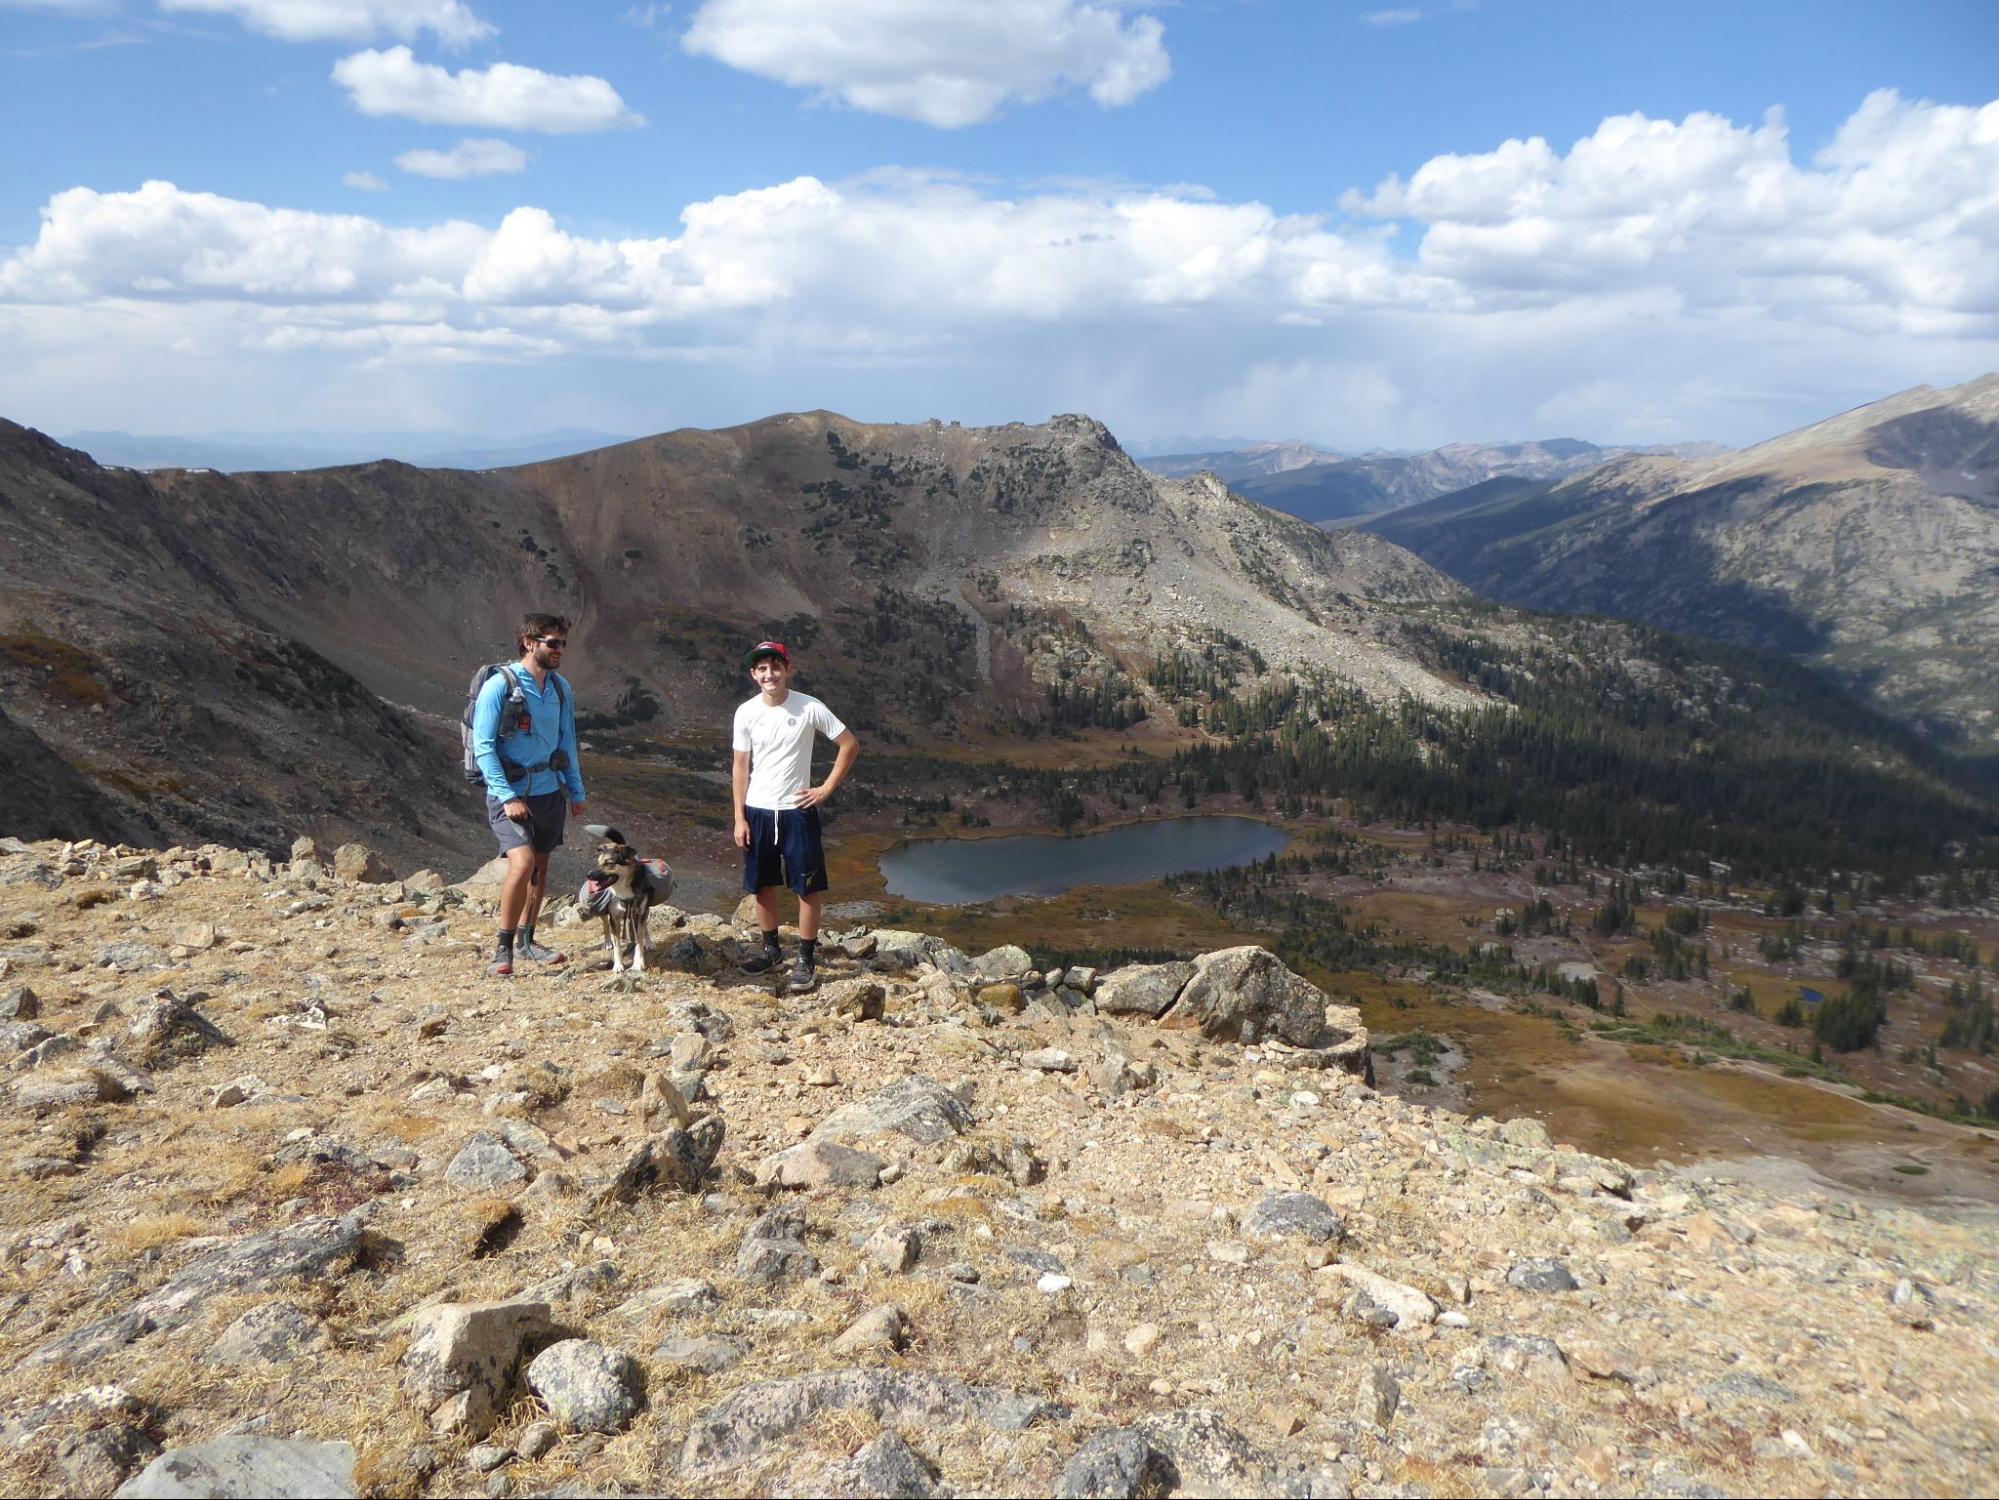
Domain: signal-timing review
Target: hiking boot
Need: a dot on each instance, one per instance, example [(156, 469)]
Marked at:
[(802, 978), (538, 953), (502, 966), (759, 962)]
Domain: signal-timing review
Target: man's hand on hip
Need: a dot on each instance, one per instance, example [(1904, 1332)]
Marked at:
[(516, 810)]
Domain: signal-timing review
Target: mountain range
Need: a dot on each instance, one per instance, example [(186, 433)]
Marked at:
[(1866, 546), (237, 452), (188, 652), (1322, 486)]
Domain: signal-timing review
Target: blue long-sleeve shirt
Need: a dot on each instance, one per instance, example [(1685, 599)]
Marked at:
[(552, 716)]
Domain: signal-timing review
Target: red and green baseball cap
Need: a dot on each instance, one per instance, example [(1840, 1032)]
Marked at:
[(762, 649)]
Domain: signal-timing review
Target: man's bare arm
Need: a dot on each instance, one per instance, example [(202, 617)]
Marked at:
[(850, 747), (739, 788)]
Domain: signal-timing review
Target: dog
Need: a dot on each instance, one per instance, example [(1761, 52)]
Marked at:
[(622, 891)]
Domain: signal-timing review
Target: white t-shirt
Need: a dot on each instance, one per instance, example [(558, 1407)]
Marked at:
[(779, 740)]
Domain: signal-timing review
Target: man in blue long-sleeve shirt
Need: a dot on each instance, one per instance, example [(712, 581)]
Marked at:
[(524, 739)]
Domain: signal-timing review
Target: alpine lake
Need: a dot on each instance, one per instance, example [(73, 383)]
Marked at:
[(950, 872)]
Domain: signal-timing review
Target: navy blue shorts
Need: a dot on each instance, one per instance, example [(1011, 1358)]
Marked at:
[(785, 849)]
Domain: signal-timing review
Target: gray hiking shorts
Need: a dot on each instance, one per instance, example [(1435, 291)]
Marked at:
[(547, 816)]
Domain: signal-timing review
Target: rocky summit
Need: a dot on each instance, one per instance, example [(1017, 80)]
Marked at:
[(299, 1201)]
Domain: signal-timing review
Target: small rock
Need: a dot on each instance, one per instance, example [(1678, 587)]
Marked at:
[(708, 1354), (883, 1327), (587, 1386), (1376, 1397), (1294, 1215), (1004, 998), (483, 1458), (686, 1297), (773, 1248), (1142, 1340), (1405, 1306), (856, 999), (484, 1164), (359, 863), (1541, 1274), (42, 1093), (886, 1466), (817, 1164), (1049, 1060), (266, 1335), (894, 1248), (19, 1004), (1053, 1282), (537, 1438), (1122, 1464)]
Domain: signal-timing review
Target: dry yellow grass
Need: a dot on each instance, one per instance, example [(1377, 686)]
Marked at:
[(153, 1231)]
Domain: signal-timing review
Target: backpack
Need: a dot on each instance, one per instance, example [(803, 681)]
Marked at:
[(510, 712)]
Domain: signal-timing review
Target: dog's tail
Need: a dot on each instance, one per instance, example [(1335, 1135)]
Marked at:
[(603, 831)]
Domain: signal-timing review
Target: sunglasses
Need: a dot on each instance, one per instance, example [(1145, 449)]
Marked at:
[(553, 642)]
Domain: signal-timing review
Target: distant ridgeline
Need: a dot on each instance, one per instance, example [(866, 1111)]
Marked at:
[(1615, 742)]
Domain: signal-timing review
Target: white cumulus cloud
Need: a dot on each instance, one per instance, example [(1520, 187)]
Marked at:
[(1657, 279), (1892, 224), (366, 182), (451, 21), (505, 96), (940, 62), (469, 158)]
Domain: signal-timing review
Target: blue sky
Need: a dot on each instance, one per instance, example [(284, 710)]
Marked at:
[(1297, 219)]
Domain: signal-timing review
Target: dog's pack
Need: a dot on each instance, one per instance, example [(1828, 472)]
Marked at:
[(622, 891)]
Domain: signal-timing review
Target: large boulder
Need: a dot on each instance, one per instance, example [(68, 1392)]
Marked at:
[(589, 1387), (311, 1250), (462, 1362), (750, 1420), (1142, 989), (357, 862), (916, 1107), (1248, 995), (248, 1468)]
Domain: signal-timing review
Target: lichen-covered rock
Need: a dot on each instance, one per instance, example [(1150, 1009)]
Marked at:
[(248, 1468), (1293, 1216), (463, 1359), (587, 1386), (915, 1107), (1141, 989), (1247, 994)]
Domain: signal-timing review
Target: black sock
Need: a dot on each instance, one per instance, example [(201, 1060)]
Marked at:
[(506, 942), (808, 951), (770, 940), (527, 935)]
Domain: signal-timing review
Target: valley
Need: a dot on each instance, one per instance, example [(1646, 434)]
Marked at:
[(1653, 1069)]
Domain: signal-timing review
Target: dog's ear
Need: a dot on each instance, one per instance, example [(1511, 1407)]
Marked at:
[(608, 834)]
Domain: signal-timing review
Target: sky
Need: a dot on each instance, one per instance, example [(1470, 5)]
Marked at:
[(1373, 224)]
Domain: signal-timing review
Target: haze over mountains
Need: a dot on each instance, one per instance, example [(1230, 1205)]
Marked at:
[(1866, 545), (1317, 484), (239, 452)]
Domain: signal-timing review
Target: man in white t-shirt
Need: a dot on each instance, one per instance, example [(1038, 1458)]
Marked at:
[(777, 806)]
